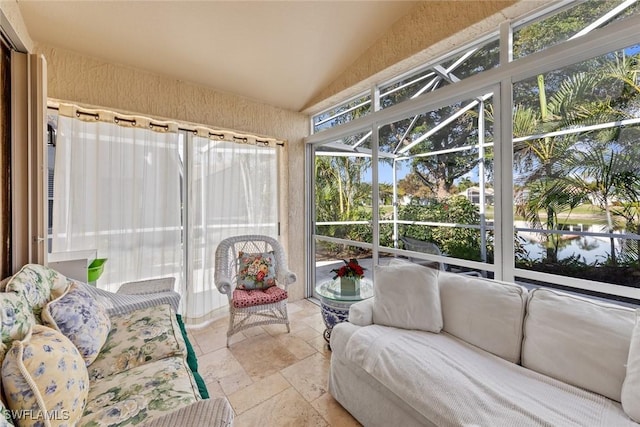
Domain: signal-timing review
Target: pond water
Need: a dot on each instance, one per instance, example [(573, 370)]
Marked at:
[(590, 249)]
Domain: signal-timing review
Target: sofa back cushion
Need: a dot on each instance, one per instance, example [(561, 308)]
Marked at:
[(406, 296), (16, 319), (631, 387), (485, 313), (39, 285), (580, 341)]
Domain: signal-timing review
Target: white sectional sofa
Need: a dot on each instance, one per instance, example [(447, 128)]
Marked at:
[(493, 355)]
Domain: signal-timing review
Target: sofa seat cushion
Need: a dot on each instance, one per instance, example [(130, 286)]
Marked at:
[(140, 393), (136, 338), (447, 380)]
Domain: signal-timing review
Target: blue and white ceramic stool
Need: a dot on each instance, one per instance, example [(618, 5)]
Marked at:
[(335, 305)]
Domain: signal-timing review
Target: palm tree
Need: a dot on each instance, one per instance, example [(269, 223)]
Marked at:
[(541, 161), (603, 173), (566, 170)]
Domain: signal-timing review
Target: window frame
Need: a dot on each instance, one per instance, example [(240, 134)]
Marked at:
[(613, 37)]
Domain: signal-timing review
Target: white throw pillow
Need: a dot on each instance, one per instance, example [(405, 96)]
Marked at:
[(631, 386), (407, 296)]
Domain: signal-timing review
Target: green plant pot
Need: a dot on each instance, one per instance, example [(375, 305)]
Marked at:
[(349, 286), (95, 269)]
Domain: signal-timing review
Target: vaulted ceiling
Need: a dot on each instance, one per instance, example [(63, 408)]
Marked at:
[(282, 53)]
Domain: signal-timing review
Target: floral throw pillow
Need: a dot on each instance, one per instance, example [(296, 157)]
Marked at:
[(44, 376), (81, 319), (256, 270), (16, 319), (39, 285)]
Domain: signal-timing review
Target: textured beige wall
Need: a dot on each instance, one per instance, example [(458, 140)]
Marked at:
[(13, 25), (430, 30), (92, 82)]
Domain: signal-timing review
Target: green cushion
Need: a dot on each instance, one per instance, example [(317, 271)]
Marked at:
[(192, 360)]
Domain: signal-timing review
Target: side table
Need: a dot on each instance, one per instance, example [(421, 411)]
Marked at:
[(335, 306)]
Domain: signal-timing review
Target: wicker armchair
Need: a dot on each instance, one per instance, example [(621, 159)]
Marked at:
[(248, 308)]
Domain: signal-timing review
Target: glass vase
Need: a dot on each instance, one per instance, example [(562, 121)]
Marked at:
[(349, 286)]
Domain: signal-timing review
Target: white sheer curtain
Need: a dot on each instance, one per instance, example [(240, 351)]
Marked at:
[(232, 190), (117, 190)]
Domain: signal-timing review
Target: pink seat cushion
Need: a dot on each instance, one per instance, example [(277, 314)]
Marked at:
[(249, 298)]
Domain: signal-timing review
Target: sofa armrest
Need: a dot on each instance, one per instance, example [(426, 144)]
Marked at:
[(203, 413), (361, 313), (150, 286)]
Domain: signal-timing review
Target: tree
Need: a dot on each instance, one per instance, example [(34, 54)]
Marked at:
[(438, 172), (458, 242), (602, 173), (465, 183), (338, 189), (412, 185), (541, 161), (560, 172)]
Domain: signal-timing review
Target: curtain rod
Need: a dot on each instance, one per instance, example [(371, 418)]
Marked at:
[(132, 122), (116, 119), (237, 138)]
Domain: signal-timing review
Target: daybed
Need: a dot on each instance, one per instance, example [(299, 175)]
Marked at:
[(74, 355), (440, 349)]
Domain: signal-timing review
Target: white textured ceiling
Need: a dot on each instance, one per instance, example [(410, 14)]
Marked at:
[(278, 52)]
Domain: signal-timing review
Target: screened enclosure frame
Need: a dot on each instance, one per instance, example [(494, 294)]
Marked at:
[(499, 81)]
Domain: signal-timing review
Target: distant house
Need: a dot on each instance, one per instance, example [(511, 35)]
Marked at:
[(473, 195)]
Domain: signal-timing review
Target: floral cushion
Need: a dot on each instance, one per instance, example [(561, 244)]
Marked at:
[(256, 271), (39, 284), (44, 376), (140, 393), (136, 338), (16, 319), (5, 416), (81, 319), (242, 298)]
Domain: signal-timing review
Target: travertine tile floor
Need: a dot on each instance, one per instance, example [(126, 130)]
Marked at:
[(271, 377)]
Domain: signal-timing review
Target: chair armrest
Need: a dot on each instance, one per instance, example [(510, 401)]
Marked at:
[(289, 278), (361, 313), (203, 413), (151, 286), (224, 285)]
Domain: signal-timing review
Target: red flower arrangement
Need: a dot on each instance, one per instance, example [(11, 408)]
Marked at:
[(350, 269)]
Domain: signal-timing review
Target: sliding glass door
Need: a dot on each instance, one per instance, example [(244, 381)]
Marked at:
[(156, 200), (231, 190)]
